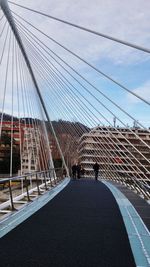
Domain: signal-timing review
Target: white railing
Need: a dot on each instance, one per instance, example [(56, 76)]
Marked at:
[(140, 186), (19, 190)]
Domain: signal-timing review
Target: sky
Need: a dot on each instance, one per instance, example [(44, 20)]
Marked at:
[(126, 20)]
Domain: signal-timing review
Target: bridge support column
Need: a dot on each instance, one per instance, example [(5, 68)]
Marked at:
[(9, 17)]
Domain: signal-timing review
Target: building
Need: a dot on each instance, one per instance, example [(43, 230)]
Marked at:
[(118, 151), (14, 129), (11, 132), (27, 143), (30, 151)]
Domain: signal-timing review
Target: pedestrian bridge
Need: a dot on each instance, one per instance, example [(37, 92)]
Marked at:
[(79, 223), (46, 217)]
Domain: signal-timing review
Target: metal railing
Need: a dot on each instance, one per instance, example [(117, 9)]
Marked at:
[(20, 188), (140, 186)]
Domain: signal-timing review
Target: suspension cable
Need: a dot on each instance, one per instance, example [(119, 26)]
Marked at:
[(44, 78), (98, 90), (124, 125), (86, 29), (86, 62)]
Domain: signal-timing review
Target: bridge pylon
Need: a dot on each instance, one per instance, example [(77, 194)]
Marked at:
[(7, 12)]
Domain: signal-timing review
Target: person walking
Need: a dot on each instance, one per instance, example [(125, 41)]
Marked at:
[(82, 171), (78, 170), (96, 170), (74, 171)]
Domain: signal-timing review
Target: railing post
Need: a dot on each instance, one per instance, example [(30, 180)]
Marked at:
[(62, 174), (37, 182), (11, 196), (59, 175), (26, 185), (45, 173), (49, 173), (55, 182)]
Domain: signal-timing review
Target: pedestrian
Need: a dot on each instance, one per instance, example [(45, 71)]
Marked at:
[(96, 170), (74, 171), (82, 171), (78, 171)]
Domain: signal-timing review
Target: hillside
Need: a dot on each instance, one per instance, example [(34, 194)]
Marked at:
[(60, 126)]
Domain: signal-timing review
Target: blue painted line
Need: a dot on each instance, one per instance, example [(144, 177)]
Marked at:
[(138, 234), (18, 217)]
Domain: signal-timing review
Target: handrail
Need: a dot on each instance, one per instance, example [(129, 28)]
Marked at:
[(48, 181), (137, 185), (26, 175)]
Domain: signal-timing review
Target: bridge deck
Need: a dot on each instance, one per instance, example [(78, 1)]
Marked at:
[(82, 226), (142, 207)]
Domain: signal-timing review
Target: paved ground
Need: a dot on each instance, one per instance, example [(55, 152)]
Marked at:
[(81, 227), (142, 207)]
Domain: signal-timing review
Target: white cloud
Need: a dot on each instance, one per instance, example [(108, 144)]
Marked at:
[(143, 91), (127, 20)]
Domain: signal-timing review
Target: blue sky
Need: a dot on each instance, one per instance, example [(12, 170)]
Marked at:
[(127, 20)]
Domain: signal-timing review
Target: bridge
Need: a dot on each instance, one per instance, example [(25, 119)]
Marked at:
[(63, 105)]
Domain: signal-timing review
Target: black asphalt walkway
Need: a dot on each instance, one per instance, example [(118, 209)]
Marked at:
[(81, 227)]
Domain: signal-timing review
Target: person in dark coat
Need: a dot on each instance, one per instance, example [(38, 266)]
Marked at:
[(74, 171), (82, 171), (96, 170), (78, 171)]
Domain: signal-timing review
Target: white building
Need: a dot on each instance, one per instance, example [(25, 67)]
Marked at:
[(116, 151), (30, 150)]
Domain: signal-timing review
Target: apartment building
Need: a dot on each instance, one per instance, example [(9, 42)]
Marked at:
[(119, 152), (14, 130), (26, 144), (30, 150)]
